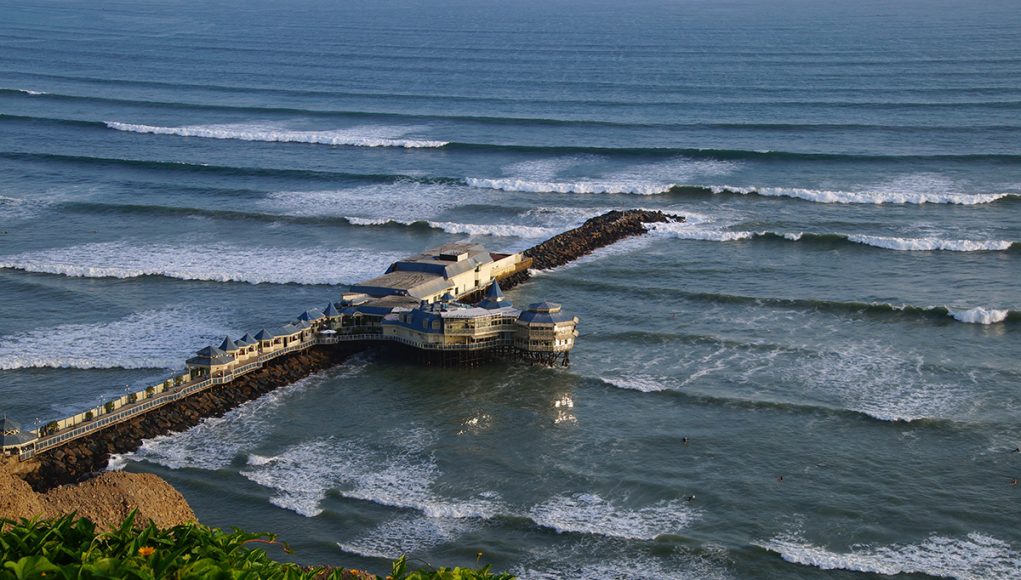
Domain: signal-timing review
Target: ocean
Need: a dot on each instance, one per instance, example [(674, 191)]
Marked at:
[(841, 307)]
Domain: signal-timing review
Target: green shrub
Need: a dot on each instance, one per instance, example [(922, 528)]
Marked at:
[(69, 547)]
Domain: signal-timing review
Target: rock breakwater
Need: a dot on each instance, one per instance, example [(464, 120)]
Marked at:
[(83, 457), (595, 233)]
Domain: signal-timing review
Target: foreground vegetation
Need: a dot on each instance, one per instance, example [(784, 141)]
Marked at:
[(70, 547)]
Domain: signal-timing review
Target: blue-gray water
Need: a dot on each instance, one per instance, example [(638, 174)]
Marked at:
[(174, 171)]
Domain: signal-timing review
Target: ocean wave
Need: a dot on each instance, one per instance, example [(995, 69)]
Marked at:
[(865, 197), (980, 315), (213, 263), (530, 186), (608, 560), (147, 339), (408, 534), (974, 556), (687, 231), (216, 441), (929, 244), (588, 513), (400, 476), (367, 136)]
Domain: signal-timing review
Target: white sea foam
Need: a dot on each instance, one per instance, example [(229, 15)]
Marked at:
[(117, 462), (881, 381), (682, 231), (543, 176), (209, 262), (928, 244), (643, 383), (506, 230), (33, 93), (593, 186), (216, 441), (407, 534), (590, 514), (578, 563), (400, 476), (147, 339), (865, 197), (975, 556), (979, 315), (366, 136), (17, 208), (690, 231)]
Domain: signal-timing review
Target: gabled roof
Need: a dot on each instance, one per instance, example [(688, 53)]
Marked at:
[(246, 340), (11, 434), (331, 311), (448, 297)]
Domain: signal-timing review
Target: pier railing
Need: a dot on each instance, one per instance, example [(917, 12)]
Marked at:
[(156, 400)]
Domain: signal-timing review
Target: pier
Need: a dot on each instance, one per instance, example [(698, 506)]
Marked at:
[(446, 305)]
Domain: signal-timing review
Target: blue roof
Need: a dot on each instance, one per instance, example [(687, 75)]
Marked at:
[(544, 313), (494, 291), (494, 298), (246, 340), (228, 345), (11, 434), (331, 311), (311, 314), (210, 356), (264, 335), (420, 319), (448, 297)]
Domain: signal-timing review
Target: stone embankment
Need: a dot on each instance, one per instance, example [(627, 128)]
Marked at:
[(83, 457), (595, 233)]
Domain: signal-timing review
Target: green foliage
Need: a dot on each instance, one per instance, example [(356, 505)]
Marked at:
[(108, 406), (89, 415), (70, 548)]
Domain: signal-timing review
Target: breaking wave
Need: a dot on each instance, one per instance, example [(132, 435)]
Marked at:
[(407, 534), (529, 186), (367, 136), (866, 197), (214, 263), (685, 231), (400, 477), (640, 187), (588, 513), (930, 244), (217, 441), (148, 339), (974, 556), (980, 315)]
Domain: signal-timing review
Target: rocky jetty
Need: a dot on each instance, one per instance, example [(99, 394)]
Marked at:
[(80, 459), (595, 233)]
